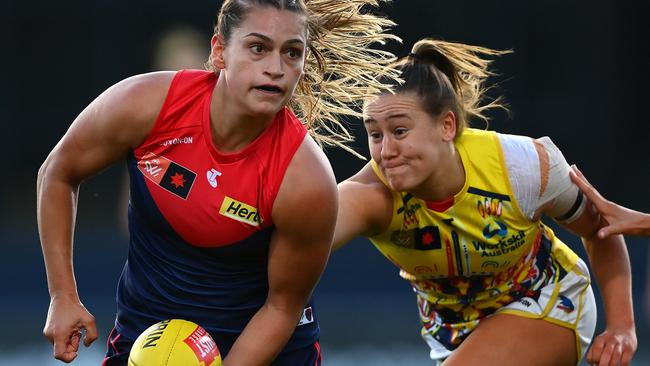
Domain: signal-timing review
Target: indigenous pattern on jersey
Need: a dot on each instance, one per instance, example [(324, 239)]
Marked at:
[(200, 220), (470, 256)]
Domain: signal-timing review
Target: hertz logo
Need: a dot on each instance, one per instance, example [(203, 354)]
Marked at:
[(239, 211)]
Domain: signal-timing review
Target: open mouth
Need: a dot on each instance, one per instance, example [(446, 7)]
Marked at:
[(269, 88)]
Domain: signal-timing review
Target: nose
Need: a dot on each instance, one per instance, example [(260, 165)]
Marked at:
[(274, 67), (388, 148)]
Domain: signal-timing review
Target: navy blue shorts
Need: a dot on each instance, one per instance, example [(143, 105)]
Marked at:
[(119, 347)]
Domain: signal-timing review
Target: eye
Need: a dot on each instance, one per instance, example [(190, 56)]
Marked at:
[(256, 48), (374, 136), (399, 131), (294, 53)]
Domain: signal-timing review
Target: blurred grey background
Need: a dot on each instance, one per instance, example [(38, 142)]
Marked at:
[(579, 74)]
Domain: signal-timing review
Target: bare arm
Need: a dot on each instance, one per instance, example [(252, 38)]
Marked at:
[(618, 219), (365, 207), (115, 122), (611, 266), (304, 214), (608, 257)]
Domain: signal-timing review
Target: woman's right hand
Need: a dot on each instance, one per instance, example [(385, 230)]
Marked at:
[(112, 125), (67, 320)]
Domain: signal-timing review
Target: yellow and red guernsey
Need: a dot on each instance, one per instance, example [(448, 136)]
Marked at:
[(474, 253)]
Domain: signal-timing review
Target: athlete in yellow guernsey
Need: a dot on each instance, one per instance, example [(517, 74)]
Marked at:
[(458, 211)]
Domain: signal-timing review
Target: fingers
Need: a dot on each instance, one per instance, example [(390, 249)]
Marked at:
[(597, 354), (616, 351), (578, 173), (626, 357), (613, 226), (73, 346), (91, 333), (66, 346), (67, 323), (606, 356), (584, 185), (610, 350), (60, 348), (593, 355), (598, 203), (602, 233), (607, 231)]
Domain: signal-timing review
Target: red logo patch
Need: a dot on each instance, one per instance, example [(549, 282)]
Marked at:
[(203, 346)]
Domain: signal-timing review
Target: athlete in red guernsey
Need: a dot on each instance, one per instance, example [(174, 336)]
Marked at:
[(200, 221), (233, 202)]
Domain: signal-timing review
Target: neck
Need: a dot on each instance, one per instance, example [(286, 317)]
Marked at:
[(447, 179), (232, 128)]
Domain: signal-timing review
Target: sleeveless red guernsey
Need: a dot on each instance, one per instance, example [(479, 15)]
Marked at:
[(210, 198), (200, 221)]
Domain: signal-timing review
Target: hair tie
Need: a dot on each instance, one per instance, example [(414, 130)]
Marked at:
[(415, 56)]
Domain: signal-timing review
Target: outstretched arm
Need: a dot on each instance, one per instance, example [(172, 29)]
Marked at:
[(617, 219), (364, 207), (112, 124)]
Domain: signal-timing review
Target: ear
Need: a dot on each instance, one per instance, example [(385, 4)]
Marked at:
[(218, 46), (448, 125)]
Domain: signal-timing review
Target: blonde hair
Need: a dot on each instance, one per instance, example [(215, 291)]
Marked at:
[(448, 75), (341, 68)]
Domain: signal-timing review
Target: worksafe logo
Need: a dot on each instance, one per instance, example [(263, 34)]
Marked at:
[(167, 174), (239, 211)]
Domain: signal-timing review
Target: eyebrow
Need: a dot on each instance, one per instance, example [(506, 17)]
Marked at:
[(269, 40), (368, 120), (398, 115)]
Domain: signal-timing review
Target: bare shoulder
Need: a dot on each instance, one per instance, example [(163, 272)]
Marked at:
[(308, 185), (129, 108), (310, 164), (117, 120), (145, 87), (306, 204)]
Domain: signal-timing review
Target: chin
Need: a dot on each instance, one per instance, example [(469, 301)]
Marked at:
[(404, 181), (264, 109), (398, 184)]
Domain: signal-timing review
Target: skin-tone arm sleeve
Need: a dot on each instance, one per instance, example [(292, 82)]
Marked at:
[(304, 214), (116, 121), (618, 219)]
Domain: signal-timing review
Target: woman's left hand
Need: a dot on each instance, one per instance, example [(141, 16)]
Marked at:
[(614, 347)]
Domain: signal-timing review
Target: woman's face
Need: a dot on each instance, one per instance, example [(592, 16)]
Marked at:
[(406, 142), (263, 60)]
